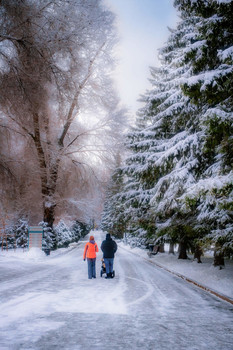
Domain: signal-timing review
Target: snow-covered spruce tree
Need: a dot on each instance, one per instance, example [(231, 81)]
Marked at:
[(64, 235), (211, 89), (49, 240), (80, 229), (16, 234), (166, 147), (178, 160), (136, 193), (121, 206), (20, 231), (113, 217)]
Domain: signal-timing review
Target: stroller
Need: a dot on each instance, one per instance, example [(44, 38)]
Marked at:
[(103, 269)]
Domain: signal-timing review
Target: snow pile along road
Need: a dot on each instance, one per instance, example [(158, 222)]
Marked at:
[(219, 280)]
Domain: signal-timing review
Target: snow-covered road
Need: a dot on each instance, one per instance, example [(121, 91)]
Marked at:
[(49, 303)]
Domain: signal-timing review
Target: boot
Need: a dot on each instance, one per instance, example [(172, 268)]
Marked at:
[(108, 275)]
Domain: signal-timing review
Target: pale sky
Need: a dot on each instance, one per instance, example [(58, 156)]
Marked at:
[(143, 29)]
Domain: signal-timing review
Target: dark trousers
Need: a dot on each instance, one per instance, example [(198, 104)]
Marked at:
[(91, 268)]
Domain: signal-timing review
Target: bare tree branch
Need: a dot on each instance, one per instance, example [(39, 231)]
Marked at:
[(70, 116), (21, 126)]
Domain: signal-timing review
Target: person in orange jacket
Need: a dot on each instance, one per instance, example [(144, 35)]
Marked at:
[(90, 250)]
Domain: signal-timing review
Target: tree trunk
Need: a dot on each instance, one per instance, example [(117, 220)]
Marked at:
[(49, 214), (183, 251), (49, 194), (48, 175), (198, 253), (218, 258), (161, 248), (171, 248)]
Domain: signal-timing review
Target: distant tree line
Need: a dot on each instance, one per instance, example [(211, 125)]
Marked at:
[(61, 236), (176, 184)]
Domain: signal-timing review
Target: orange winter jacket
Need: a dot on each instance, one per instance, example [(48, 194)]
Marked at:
[(90, 250)]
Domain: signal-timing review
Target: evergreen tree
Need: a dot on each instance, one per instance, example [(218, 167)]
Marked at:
[(113, 217), (165, 146), (16, 235), (211, 88), (80, 229), (63, 234), (20, 232), (49, 240), (178, 175)]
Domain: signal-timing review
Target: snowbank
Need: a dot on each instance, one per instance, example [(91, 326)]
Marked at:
[(34, 254), (23, 254), (206, 274)]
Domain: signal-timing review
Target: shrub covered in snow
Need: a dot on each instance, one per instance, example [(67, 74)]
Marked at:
[(21, 233), (49, 237), (17, 235), (80, 229), (63, 235), (66, 235)]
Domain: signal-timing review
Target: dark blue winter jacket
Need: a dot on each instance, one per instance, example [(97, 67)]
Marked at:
[(108, 247)]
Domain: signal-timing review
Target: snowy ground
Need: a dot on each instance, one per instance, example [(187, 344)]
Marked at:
[(47, 302), (219, 280)]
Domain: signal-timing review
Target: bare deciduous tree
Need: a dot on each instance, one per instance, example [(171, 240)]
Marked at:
[(56, 94)]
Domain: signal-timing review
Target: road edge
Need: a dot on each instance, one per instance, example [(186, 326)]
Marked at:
[(187, 279)]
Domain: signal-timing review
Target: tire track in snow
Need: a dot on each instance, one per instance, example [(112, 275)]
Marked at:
[(148, 293)]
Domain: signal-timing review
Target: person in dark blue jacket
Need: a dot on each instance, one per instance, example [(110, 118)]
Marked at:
[(109, 248)]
